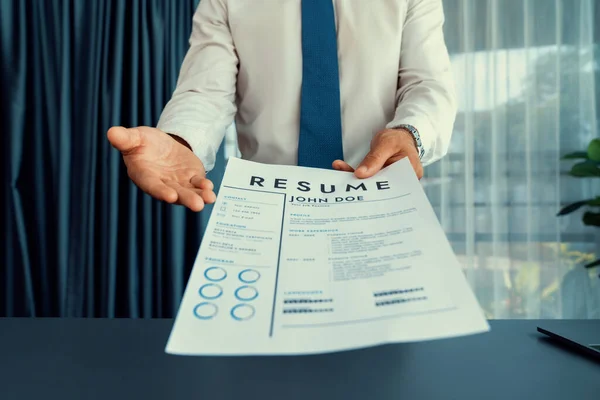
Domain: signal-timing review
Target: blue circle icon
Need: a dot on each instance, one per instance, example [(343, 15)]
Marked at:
[(242, 312), (249, 276), (205, 310), (210, 291), (246, 293), (215, 274)]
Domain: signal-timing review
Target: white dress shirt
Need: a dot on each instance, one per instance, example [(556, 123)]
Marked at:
[(244, 65)]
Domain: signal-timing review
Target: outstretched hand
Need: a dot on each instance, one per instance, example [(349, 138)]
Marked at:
[(163, 167), (387, 147)]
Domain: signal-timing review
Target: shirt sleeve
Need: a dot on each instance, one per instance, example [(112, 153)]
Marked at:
[(426, 94), (203, 106)]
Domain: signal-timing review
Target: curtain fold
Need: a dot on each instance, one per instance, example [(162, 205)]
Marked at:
[(80, 239)]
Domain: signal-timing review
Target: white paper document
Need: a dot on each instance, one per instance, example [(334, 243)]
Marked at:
[(300, 260)]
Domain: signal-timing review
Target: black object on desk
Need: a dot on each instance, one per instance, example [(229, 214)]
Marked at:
[(582, 342), (124, 359)]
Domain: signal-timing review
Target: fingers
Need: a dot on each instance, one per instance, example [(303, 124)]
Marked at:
[(123, 139), (189, 198), (205, 188), (157, 188), (208, 196), (192, 197), (387, 147), (173, 192), (200, 182), (374, 161), (342, 166), (417, 166)]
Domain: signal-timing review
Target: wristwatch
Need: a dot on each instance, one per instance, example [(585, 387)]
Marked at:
[(415, 134)]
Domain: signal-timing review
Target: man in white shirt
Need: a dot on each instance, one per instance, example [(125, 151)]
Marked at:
[(347, 84)]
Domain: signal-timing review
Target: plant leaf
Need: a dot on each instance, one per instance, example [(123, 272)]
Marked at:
[(593, 264), (593, 151), (577, 154), (585, 169), (595, 202), (573, 207), (591, 218)]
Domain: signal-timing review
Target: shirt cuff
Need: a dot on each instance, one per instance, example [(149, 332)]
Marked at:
[(425, 131), (203, 149)]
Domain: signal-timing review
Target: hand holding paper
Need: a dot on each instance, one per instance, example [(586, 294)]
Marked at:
[(387, 147)]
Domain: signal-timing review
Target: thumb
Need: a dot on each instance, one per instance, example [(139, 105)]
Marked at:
[(374, 161), (123, 139)]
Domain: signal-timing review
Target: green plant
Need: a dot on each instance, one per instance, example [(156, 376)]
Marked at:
[(588, 166)]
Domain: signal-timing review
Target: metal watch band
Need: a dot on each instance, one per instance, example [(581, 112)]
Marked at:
[(415, 134)]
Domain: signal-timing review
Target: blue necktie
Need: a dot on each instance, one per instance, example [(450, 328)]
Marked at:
[(320, 140)]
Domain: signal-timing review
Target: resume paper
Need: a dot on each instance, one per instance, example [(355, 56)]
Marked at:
[(300, 260)]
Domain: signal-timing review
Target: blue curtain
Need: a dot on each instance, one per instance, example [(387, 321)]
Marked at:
[(80, 240)]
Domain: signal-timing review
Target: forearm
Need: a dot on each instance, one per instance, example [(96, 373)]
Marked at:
[(198, 122), (426, 97), (430, 107), (203, 104)]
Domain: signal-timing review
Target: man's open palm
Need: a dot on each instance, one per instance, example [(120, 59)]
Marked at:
[(162, 167)]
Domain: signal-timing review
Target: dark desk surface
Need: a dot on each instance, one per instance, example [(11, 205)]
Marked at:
[(91, 359)]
